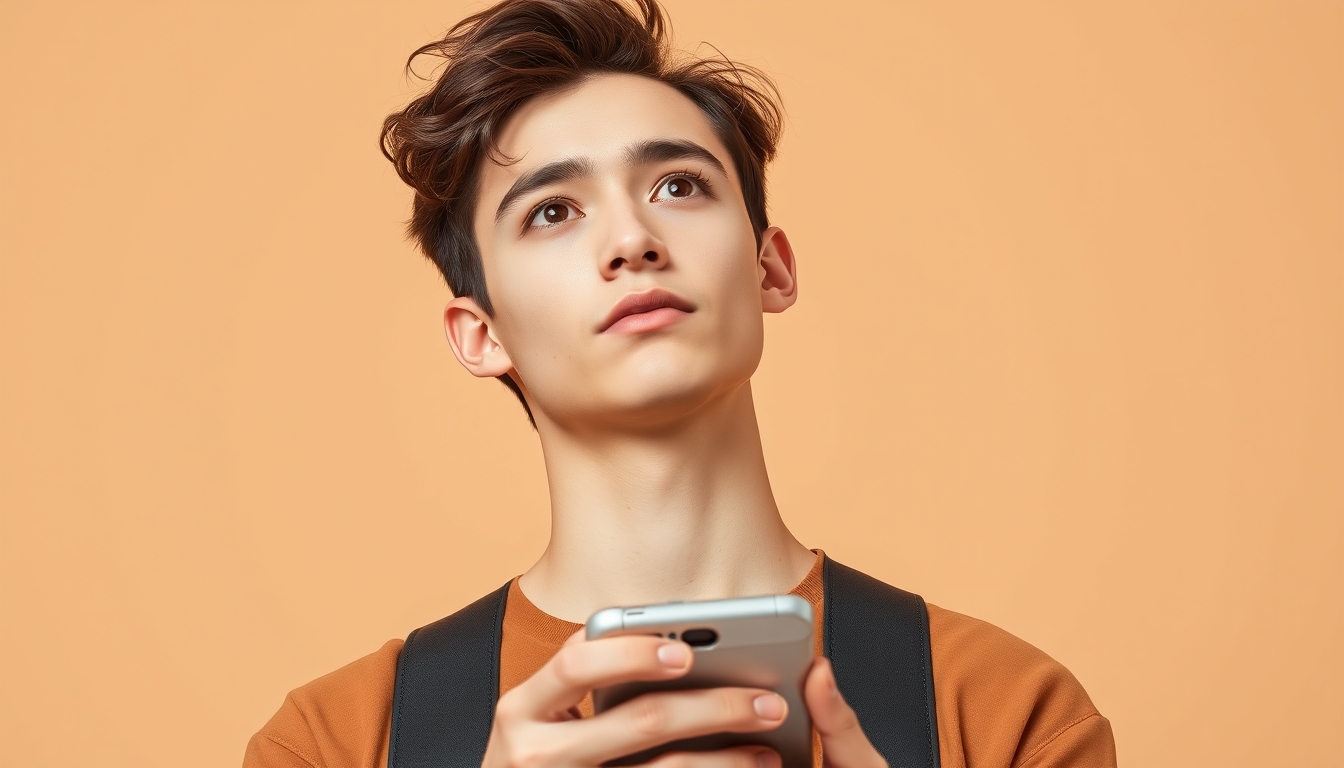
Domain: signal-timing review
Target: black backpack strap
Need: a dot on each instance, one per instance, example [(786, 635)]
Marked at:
[(446, 689), (877, 638)]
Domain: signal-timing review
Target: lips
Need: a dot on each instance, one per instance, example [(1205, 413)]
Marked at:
[(645, 311)]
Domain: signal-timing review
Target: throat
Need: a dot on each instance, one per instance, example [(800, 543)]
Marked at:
[(639, 520)]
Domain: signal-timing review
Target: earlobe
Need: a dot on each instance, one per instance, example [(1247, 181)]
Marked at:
[(473, 339), (778, 271)]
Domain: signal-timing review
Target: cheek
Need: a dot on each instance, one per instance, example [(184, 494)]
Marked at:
[(735, 273), (538, 313), (737, 295)]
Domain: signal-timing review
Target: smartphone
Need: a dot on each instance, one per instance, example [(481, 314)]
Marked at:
[(753, 642)]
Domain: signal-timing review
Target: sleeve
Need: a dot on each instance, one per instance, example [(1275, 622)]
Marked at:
[(1001, 701), (266, 750), (340, 720), (1087, 743)]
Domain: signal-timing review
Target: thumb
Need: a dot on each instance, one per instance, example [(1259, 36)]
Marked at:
[(843, 742)]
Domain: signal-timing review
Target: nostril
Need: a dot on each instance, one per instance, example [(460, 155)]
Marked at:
[(650, 256), (615, 264)]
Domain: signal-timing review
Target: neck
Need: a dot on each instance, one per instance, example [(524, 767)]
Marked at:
[(683, 514)]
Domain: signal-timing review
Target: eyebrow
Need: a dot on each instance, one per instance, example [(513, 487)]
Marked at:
[(639, 153), (548, 174), (662, 150)]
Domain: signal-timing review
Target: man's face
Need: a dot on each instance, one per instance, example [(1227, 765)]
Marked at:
[(622, 200)]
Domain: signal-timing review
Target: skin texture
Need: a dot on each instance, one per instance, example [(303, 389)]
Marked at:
[(657, 480)]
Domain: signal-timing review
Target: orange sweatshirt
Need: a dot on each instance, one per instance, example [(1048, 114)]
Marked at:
[(1000, 702)]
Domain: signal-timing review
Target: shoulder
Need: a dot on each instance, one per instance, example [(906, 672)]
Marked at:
[(1002, 701), (339, 719)]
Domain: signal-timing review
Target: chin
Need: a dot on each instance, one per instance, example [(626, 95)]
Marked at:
[(664, 401), (650, 390)]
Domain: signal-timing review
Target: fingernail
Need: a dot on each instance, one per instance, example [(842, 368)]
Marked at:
[(674, 655), (767, 760), (769, 707)]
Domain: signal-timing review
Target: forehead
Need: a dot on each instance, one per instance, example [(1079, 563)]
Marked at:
[(597, 119)]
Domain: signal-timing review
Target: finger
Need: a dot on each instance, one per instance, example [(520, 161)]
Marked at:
[(579, 667), (843, 741), (736, 757), (657, 718)]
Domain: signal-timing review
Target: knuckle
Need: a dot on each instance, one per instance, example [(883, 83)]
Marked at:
[(632, 653), (507, 708), (846, 721), (568, 666), (732, 707), (649, 716)]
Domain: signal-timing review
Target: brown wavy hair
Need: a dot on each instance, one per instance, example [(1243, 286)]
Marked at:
[(496, 60)]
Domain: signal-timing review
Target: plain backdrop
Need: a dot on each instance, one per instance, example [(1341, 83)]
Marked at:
[(1068, 355)]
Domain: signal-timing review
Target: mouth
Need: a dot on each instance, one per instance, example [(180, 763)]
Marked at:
[(645, 311)]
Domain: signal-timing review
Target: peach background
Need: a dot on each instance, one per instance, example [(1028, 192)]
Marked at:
[(1068, 356)]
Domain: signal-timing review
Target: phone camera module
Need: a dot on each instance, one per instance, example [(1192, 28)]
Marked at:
[(700, 638)]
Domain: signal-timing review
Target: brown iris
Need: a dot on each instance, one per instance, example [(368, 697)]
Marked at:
[(679, 188)]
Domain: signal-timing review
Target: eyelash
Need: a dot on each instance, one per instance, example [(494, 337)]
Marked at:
[(700, 181), (532, 214)]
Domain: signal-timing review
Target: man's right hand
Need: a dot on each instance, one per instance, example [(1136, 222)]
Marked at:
[(537, 724)]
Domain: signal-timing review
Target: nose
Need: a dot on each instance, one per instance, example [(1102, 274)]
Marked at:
[(631, 246)]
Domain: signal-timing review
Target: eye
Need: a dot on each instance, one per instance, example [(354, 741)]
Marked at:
[(553, 212), (681, 186)]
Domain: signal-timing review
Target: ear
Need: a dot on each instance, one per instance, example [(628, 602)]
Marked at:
[(473, 340), (779, 275)]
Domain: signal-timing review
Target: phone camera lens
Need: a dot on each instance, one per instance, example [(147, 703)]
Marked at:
[(700, 638)]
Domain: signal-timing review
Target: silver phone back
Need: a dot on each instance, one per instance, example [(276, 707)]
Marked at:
[(763, 642)]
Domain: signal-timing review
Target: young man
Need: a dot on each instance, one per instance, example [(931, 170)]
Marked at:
[(598, 210)]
